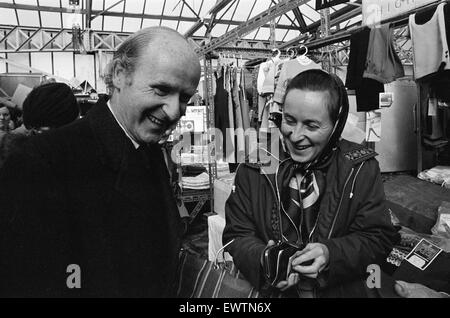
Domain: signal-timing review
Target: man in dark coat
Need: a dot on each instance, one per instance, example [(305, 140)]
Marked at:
[(87, 208)]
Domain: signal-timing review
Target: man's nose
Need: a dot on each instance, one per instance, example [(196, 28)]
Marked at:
[(172, 108)]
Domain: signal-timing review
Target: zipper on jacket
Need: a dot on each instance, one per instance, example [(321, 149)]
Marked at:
[(354, 180), (282, 208), (340, 202), (277, 198)]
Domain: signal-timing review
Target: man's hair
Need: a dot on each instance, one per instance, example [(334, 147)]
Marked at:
[(129, 52), (320, 81)]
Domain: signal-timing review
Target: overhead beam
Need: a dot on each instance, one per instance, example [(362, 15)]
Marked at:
[(219, 6), (101, 40), (107, 9), (197, 25), (88, 13), (254, 23), (300, 19), (337, 14), (337, 17), (128, 15)]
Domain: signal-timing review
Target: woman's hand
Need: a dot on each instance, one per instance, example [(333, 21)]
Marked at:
[(318, 253), (285, 284)]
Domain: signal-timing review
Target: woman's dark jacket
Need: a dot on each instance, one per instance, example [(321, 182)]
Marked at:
[(353, 221)]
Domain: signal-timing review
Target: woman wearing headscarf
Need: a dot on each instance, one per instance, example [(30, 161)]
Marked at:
[(326, 196)]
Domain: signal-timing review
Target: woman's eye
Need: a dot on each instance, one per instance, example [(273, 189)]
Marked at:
[(289, 120), (312, 127)]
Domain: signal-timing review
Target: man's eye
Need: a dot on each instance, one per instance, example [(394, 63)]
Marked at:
[(161, 91)]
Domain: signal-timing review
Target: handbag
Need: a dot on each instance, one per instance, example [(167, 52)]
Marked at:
[(200, 278), (277, 261)]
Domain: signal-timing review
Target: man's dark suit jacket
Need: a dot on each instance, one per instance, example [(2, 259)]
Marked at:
[(82, 194)]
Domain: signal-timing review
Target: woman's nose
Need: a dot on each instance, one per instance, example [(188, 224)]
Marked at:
[(298, 133)]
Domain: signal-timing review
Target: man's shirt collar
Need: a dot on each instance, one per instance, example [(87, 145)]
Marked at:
[(135, 144)]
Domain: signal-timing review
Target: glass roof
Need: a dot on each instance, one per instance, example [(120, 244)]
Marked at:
[(130, 15)]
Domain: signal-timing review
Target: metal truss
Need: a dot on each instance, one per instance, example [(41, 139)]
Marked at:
[(247, 27), (15, 39)]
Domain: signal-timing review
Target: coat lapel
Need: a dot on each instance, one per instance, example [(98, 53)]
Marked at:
[(116, 151)]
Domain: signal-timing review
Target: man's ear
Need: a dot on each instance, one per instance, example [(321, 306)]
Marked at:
[(119, 76)]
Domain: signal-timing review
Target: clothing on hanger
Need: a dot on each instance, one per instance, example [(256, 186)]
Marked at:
[(289, 70), (430, 42), (367, 90), (382, 62)]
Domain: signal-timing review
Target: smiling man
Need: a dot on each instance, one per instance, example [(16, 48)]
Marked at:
[(96, 193)]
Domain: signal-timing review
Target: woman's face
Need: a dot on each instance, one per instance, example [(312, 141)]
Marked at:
[(5, 118), (306, 125)]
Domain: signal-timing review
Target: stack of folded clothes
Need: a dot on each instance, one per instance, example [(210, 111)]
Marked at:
[(199, 182)]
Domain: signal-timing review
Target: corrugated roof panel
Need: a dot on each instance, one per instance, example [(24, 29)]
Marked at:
[(229, 9), (96, 24), (134, 6), (97, 5), (150, 22), (51, 19), (263, 34), (200, 32), (284, 20), (169, 23), (261, 6), (207, 5), (49, 3), (67, 20), (65, 3), (154, 6), (117, 8), (112, 24), (251, 35), (28, 2), (243, 10), (28, 18), (350, 21), (184, 26), (131, 24), (219, 30), (8, 16), (291, 35), (309, 13), (173, 7), (279, 34)]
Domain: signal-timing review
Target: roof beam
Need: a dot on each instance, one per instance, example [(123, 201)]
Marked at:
[(256, 22), (288, 17), (338, 14), (107, 9), (219, 6), (88, 13), (300, 19), (128, 15), (335, 18)]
